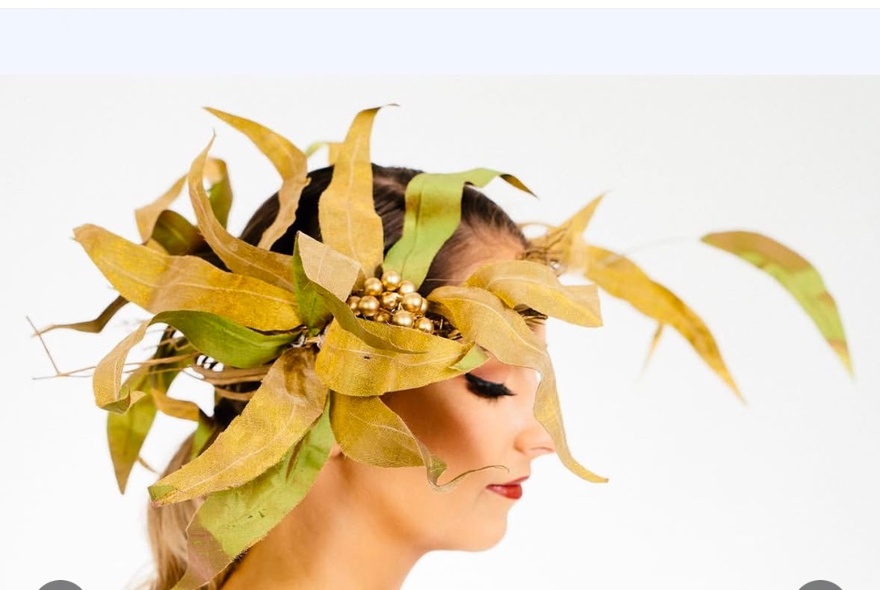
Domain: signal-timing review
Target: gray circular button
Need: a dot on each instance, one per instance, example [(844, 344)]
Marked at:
[(60, 585), (820, 585)]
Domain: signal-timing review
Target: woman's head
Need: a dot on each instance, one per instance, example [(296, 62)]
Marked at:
[(471, 422)]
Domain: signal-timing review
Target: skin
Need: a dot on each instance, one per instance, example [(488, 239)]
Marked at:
[(363, 527)]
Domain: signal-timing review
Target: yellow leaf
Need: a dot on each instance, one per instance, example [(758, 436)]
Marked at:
[(481, 317), (147, 215), (521, 282), (412, 358), (796, 275), (159, 282), (565, 243), (370, 432), (239, 256), (94, 326), (621, 278), (288, 160), (281, 411), (107, 379), (349, 223)]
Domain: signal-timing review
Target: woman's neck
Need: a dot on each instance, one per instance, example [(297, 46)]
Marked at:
[(327, 542)]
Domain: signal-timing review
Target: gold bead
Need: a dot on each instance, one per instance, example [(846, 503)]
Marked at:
[(389, 300), (391, 279), (424, 307), (382, 316), (411, 302), (352, 302), (425, 325), (402, 318), (373, 286), (368, 306), (406, 287)]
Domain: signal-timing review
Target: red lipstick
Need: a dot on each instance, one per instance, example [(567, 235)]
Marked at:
[(511, 489)]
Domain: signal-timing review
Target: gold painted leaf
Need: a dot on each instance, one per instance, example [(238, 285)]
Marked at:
[(320, 272), (280, 412), (92, 326), (126, 433), (370, 432), (482, 317), (146, 216), (349, 365), (287, 159), (231, 521), (623, 279), (565, 243), (159, 282), (521, 282), (349, 222), (238, 255), (433, 212), (107, 385), (796, 275)]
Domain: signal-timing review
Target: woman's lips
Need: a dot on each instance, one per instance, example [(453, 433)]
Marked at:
[(511, 489)]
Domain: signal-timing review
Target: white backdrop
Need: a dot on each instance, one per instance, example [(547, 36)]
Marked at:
[(704, 492)]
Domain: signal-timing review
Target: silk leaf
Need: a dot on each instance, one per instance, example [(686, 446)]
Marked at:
[(126, 433), (241, 257), (623, 279), (796, 275), (281, 410), (351, 366), (565, 243), (224, 340), (287, 159), (231, 521), (175, 233), (433, 212), (348, 219), (320, 272), (521, 282), (92, 326), (146, 216), (159, 282)]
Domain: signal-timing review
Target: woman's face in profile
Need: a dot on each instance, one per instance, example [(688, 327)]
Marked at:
[(485, 418)]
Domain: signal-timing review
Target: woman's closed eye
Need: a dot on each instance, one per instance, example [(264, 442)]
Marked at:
[(486, 389)]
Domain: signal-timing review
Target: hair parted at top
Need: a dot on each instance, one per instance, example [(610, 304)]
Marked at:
[(340, 284)]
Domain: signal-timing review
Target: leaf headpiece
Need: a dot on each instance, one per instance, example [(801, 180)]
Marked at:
[(311, 339)]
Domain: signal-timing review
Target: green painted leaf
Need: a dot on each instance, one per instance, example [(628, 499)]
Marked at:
[(229, 522), (796, 275), (433, 212)]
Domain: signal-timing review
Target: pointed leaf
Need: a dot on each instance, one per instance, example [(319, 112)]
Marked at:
[(317, 265), (796, 275), (281, 410), (433, 212), (107, 385), (219, 191), (146, 216), (521, 282), (565, 244), (351, 366), (230, 522), (93, 326), (238, 255), (224, 340), (623, 279), (126, 433), (370, 432), (158, 282), (349, 222), (288, 161), (483, 318)]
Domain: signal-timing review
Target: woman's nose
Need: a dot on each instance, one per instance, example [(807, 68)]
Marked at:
[(532, 438)]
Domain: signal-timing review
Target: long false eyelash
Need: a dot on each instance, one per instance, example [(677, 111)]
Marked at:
[(486, 389)]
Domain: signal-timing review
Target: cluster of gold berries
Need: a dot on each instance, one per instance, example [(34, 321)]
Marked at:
[(392, 300)]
